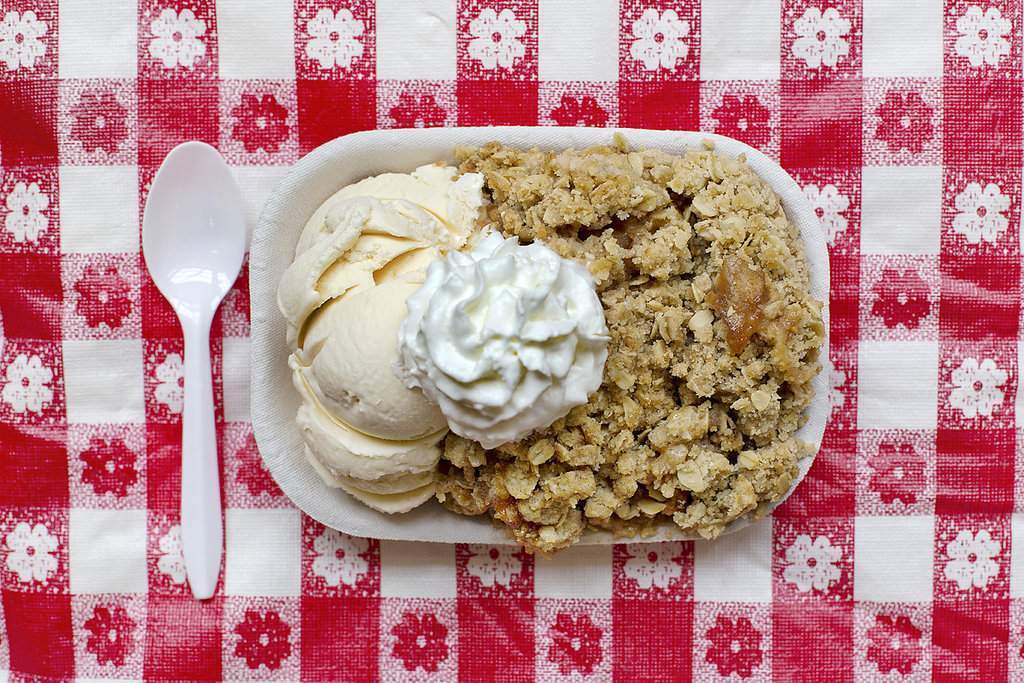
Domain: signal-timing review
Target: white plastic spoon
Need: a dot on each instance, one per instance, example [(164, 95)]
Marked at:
[(193, 239)]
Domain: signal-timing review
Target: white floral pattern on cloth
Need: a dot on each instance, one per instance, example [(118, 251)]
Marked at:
[(977, 387), (812, 564), (983, 36), (338, 558), (820, 42), (176, 39), (31, 551), (27, 386), (971, 559), (829, 205), (980, 213), (496, 39), (653, 564), (494, 564), (171, 561), (25, 219), (20, 46), (334, 38), (658, 39), (170, 375)]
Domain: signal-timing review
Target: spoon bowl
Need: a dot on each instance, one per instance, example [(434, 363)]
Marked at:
[(194, 240)]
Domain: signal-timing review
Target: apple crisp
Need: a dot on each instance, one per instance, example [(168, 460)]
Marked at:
[(714, 344)]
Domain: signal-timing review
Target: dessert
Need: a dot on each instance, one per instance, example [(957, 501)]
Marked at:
[(505, 339), (599, 338), (357, 260)]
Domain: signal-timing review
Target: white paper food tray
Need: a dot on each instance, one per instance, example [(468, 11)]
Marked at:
[(353, 157)]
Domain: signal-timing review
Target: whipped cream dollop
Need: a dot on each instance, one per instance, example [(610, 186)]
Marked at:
[(506, 339)]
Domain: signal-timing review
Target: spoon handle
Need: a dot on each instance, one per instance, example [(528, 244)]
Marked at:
[(202, 531)]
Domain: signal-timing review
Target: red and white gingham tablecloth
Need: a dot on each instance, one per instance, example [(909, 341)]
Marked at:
[(899, 558)]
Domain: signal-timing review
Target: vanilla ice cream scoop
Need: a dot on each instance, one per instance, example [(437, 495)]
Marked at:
[(359, 257), (506, 339)]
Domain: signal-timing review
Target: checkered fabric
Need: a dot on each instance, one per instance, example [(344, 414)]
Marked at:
[(899, 558)]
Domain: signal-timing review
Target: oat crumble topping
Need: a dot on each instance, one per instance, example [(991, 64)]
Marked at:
[(714, 344)]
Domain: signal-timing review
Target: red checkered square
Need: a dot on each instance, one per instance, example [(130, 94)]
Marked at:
[(659, 41), (653, 571), (902, 121), (5, 650), (176, 653), (497, 40), (646, 631), (336, 564), (972, 558), (178, 42), (812, 637), (33, 383), (578, 103), (163, 466), (328, 109), (261, 639), (974, 470), (899, 297), (101, 296), (969, 640), (171, 113), (29, 207), (977, 385), (416, 104), (745, 110), (892, 640), (500, 645), (980, 298), (493, 571), (106, 466), (821, 123), (39, 633), (497, 103), (732, 640), (98, 122), (159, 321), (29, 112), (110, 633), (247, 482), (821, 40), (663, 106), (31, 52), (982, 39), (895, 472), (32, 469), (258, 122), (32, 295), (419, 639), (164, 559), (981, 123), (335, 43), (34, 550), (339, 638), (844, 300), (233, 315), (813, 560), (981, 212), (829, 487), (574, 639)]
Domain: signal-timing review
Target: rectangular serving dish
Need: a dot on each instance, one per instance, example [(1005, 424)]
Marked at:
[(350, 158)]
